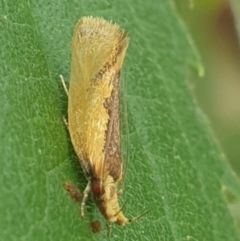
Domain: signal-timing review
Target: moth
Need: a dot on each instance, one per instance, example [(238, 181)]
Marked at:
[(98, 51)]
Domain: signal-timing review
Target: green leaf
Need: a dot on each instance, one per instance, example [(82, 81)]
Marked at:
[(176, 168)]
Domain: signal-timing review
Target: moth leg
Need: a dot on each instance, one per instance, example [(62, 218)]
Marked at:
[(65, 122), (95, 226), (73, 191), (64, 84), (109, 229), (66, 90), (85, 196)]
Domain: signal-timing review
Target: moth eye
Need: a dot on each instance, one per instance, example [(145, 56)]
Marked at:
[(96, 189)]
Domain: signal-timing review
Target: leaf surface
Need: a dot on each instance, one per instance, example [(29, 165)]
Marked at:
[(176, 168)]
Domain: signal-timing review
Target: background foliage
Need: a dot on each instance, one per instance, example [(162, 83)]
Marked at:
[(176, 167)]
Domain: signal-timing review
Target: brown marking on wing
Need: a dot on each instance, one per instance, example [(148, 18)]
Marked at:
[(112, 148), (113, 57)]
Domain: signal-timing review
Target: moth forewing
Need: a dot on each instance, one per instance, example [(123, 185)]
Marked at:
[(98, 50), (124, 130)]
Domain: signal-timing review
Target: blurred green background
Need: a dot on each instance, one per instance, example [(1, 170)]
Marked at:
[(213, 25)]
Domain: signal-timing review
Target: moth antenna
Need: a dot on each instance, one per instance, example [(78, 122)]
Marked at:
[(139, 216), (130, 220), (123, 206), (127, 130)]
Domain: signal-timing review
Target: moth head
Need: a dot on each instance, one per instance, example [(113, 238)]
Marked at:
[(105, 195)]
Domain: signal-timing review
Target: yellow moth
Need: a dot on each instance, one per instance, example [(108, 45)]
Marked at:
[(98, 51)]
